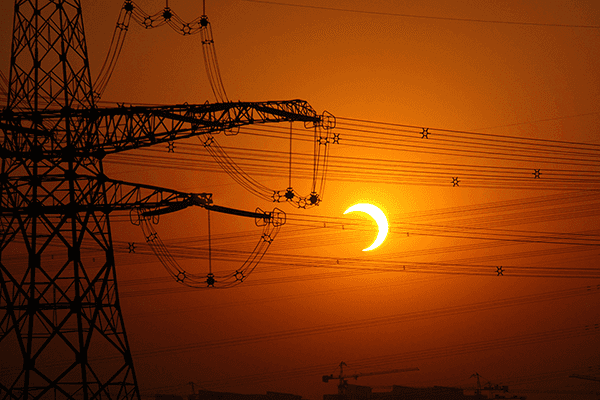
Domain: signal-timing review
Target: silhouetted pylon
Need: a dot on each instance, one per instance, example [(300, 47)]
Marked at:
[(61, 331), (62, 310)]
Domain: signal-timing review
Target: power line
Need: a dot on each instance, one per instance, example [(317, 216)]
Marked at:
[(402, 318), (390, 14), (416, 355), (540, 120)]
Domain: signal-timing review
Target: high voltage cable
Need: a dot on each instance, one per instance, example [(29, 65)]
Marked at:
[(532, 153), (278, 262), (262, 157), (539, 120), (342, 222), (400, 318), (356, 268), (459, 381), (491, 135), (279, 298), (130, 10), (501, 213), (352, 266), (341, 267), (364, 323), (395, 131), (390, 14), (411, 174), (390, 132), (413, 356), (390, 267), (287, 262), (505, 206), (470, 229), (559, 182), (462, 266), (520, 300), (370, 139), (274, 262), (499, 343)]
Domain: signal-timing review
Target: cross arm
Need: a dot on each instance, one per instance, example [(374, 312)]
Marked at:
[(153, 201), (102, 194), (127, 128), (107, 130)]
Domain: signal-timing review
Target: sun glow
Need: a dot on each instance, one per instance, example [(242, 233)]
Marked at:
[(379, 217)]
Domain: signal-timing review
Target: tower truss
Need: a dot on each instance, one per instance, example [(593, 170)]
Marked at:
[(61, 331)]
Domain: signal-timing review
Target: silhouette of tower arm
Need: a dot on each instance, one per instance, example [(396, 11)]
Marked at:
[(134, 127), (112, 130), (110, 195), (121, 195), (106, 195), (153, 200)]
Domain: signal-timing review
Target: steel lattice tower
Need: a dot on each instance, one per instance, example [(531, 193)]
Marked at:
[(61, 331), (57, 302)]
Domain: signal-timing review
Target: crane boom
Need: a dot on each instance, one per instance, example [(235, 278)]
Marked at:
[(586, 377), (343, 377), (326, 378)]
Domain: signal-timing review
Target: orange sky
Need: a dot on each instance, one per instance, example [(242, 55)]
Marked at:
[(286, 323)]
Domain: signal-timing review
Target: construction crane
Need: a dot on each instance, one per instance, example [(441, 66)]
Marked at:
[(586, 377), (478, 387), (489, 387), (343, 378), (62, 333)]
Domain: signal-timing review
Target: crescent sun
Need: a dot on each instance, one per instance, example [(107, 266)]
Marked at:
[(379, 217)]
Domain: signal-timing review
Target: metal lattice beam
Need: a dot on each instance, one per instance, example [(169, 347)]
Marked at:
[(101, 131)]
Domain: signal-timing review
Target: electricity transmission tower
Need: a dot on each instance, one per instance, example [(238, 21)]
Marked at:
[(61, 331)]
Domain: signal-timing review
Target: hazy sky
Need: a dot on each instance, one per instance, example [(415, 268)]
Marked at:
[(431, 296)]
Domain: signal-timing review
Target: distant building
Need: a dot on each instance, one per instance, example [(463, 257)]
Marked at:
[(167, 397), (351, 392), (356, 392), (210, 395), (427, 393)]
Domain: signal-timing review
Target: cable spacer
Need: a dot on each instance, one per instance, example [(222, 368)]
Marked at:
[(210, 280)]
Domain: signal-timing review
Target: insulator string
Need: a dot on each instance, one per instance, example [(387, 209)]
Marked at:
[(209, 246), (290, 174)]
